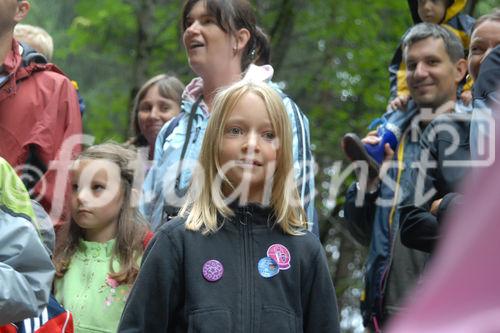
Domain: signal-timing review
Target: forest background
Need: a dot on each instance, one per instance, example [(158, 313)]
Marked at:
[(330, 56)]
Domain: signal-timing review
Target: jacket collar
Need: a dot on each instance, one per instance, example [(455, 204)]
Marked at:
[(254, 73), (454, 9), (11, 68), (251, 213), (13, 59)]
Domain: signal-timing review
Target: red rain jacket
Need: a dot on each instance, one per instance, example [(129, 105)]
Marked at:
[(38, 112)]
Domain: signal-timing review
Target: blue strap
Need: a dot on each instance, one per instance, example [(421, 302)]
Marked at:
[(173, 124)]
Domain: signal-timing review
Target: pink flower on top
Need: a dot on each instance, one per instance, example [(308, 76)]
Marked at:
[(111, 282)]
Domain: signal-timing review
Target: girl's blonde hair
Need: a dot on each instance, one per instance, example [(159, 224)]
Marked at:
[(132, 227), (205, 203)]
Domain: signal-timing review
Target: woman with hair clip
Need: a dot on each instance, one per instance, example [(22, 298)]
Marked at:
[(222, 43)]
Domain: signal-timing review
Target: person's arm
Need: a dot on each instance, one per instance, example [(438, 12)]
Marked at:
[(360, 217), (149, 196), (419, 227), (156, 294), (303, 161), (64, 111), (448, 203), (320, 304), (26, 271), (152, 186)]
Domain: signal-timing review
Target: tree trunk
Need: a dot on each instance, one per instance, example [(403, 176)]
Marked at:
[(281, 33), (144, 48)]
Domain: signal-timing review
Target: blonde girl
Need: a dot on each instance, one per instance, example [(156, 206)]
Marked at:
[(239, 258), (98, 251)]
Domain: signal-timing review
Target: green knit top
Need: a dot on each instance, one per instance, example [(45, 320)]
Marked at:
[(95, 300)]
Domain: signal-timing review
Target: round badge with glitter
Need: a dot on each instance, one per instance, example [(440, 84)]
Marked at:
[(212, 270), (267, 267), (280, 254)]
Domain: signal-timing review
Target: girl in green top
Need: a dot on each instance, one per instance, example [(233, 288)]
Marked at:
[(98, 252)]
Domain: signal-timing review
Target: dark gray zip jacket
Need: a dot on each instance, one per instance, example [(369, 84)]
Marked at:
[(172, 295), (445, 153)]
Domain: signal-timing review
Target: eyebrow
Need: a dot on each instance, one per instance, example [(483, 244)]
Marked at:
[(479, 40), (190, 16), (241, 121)]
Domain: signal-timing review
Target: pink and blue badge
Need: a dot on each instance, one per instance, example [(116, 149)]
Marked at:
[(280, 254)]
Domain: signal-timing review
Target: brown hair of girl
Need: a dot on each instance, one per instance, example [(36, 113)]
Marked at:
[(132, 227)]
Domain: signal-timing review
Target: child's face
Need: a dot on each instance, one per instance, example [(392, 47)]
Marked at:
[(249, 147), (432, 11), (96, 198)]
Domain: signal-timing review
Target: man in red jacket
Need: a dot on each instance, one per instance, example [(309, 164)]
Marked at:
[(39, 116)]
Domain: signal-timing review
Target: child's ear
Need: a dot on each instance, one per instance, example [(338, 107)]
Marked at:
[(23, 8)]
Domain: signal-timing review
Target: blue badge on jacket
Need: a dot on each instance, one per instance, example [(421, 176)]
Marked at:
[(267, 267)]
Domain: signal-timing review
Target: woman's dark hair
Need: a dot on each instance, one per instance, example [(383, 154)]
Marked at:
[(231, 16), (263, 48)]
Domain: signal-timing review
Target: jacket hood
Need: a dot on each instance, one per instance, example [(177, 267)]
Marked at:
[(456, 7)]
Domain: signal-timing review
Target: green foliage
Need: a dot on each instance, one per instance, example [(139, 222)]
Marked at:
[(486, 6), (110, 48), (331, 57)]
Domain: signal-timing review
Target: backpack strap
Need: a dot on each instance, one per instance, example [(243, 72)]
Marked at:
[(33, 61), (147, 239), (173, 124), (31, 55), (178, 191), (162, 136)]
